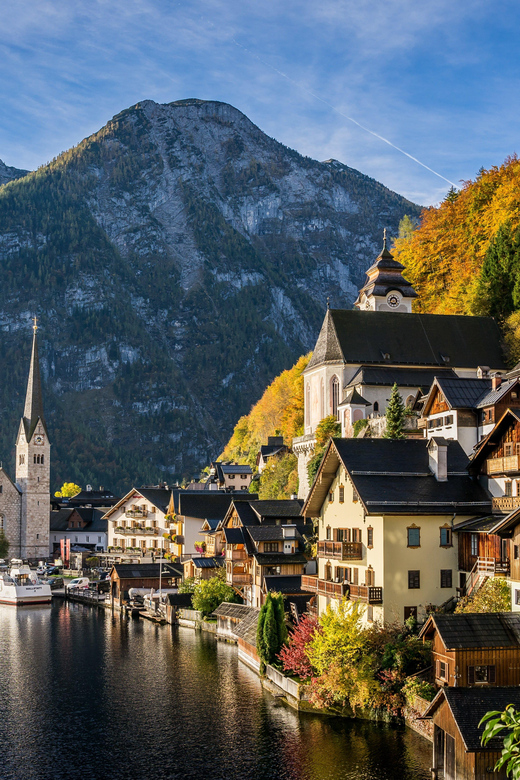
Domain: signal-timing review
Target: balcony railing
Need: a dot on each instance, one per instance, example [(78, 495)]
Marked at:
[(368, 594), (136, 513), (507, 465), (506, 503), (312, 584), (236, 555), (136, 531), (341, 551), (240, 579)]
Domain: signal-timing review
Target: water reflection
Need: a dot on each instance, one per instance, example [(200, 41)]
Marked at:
[(86, 694)]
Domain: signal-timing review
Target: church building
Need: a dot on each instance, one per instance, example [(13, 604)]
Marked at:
[(360, 353), (25, 503)]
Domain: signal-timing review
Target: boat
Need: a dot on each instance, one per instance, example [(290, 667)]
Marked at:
[(21, 586)]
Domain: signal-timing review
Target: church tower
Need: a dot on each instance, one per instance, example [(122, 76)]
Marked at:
[(385, 288), (33, 466)]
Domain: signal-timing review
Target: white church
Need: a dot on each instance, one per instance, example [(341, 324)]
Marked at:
[(361, 352), (25, 503)]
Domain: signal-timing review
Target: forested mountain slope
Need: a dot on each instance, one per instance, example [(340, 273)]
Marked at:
[(8, 173), (178, 260)]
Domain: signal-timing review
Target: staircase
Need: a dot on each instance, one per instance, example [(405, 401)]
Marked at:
[(483, 569)]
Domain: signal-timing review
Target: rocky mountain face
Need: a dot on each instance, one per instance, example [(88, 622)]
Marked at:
[(177, 260), (7, 173)]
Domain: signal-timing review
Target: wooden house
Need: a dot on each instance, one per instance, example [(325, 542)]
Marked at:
[(202, 568), (457, 750), (124, 576), (497, 462), (474, 650)]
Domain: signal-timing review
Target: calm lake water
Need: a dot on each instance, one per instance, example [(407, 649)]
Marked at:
[(88, 696)]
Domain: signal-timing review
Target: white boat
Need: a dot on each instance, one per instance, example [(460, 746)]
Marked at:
[(22, 586)]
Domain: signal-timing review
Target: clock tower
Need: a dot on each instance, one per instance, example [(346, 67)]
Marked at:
[(385, 288), (33, 466)]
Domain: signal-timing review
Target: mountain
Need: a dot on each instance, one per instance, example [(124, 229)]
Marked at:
[(177, 260), (9, 174)]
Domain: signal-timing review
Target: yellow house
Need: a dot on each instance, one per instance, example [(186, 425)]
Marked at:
[(385, 512)]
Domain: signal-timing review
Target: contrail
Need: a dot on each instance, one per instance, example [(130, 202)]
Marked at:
[(345, 116)]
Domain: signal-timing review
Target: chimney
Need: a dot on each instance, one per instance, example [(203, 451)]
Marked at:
[(438, 458), (496, 381), (482, 372), (293, 496)]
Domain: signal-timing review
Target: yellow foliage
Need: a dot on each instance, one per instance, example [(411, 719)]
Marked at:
[(443, 257), (279, 412)]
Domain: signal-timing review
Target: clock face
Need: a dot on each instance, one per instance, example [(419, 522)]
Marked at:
[(393, 300), (38, 439)]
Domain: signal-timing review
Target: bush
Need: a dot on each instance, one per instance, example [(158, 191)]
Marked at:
[(493, 596), (209, 594)]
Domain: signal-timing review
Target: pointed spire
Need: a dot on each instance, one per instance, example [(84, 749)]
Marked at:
[(33, 410), (384, 239)]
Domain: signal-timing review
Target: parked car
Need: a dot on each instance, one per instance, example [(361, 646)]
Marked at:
[(104, 586), (56, 582), (41, 570), (52, 570), (78, 582)]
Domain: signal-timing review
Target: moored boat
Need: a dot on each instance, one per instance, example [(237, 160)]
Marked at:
[(22, 586)]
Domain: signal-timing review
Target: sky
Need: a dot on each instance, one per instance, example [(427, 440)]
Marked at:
[(418, 95)]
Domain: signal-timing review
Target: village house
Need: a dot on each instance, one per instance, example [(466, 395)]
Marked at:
[(380, 342), (475, 649), (385, 511), (265, 548), (84, 527), (457, 750), (274, 448), (142, 577), (229, 476), (140, 522), (202, 568)]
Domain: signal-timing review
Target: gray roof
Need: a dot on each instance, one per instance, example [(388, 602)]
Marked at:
[(463, 393), (246, 629), (278, 559), (353, 397), (240, 611), (234, 535), (403, 377), (447, 340), (469, 705), (204, 504), (477, 630), (478, 524), (493, 396), (126, 571), (287, 507), (285, 584), (208, 563), (273, 533), (159, 497), (33, 410), (234, 468)]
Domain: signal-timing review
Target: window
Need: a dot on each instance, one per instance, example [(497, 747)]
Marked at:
[(334, 395), (375, 406), (87, 539), (342, 535), (356, 534), (414, 536), (445, 537), (448, 420), (1, 488), (410, 612), (414, 579), (75, 538), (474, 544), (341, 494), (370, 577), (355, 496), (270, 546), (231, 476), (508, 488), (331, 496), (446, 578), (370, 537), (42, 457), (515, 552), (2, 522), (481, 675), (508, 449), (442, 670), (99, 539), (243, 476), (328, 532), (517, 598), (341, 574)]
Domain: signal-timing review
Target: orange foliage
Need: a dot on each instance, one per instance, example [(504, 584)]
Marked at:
[(279, 412), (443, 257)]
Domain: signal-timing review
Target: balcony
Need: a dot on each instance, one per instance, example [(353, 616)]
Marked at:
[(507, 465), (136, 513), (341, 551), (236, 555), (368, 594), (313, 584), (506, 503), (240, 579)]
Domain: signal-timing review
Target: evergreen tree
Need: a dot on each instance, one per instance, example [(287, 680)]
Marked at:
[(280, 620), (395, 415), (271, 642), (498, 289), (260, 643), (451, 195), (406, 227)]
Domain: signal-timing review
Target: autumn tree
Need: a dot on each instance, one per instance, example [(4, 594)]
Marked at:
[(512, 338), (498, 290), (68, 490), (279, 479), (395, 415), (326, 429), (294, 656), (493, 596)]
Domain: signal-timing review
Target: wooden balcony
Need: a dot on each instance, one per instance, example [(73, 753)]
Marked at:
[(236, 555), (136, 531), (506, 503), (368, 594), (136, 513), (313, 584), (341, 551), (240, 579), (506, 465)]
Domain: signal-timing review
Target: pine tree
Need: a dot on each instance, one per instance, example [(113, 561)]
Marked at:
[(260, 643), (280, 621), (498, 290), (395, 415), (271, 641)]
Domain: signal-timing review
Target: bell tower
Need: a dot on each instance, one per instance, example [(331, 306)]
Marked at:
[(385, 288), (33, 465)]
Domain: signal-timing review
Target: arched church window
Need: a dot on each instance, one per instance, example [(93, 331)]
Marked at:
[(376, 406), (308, 404), (42, 458), (35, 458), (322, 399), (334, 395), (410, 401)]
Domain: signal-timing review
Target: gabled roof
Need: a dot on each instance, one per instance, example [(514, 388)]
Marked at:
[(278, 559), (477, 524), (494, 396), (59, 521), (210, 524), (272, 533), (235, 468), (444, 340), (475, 630), (131, 571), (385, 275), (510, 416), (285, 584), (403, 377), (287, 507), (469, 705), (459, 393), (354, 398), (158, 497), (239, 611), (392, 476), (201, 505), (4, 474)]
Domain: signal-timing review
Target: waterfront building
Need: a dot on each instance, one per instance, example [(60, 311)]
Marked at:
[(386, 510), (85, 527), (361, 353), (202, 568), (25, 502), (141, 522), (142, 577)]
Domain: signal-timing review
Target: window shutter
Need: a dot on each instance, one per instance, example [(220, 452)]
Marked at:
[(471, 675), (492, 674)]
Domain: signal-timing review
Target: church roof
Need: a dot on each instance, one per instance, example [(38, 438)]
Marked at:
[(395, 338), (385, 275), (33, 410), (403, 377)]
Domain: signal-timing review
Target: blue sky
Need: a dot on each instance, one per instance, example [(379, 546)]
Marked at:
[(440, 80)]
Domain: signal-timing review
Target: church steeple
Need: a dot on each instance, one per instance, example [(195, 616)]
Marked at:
[(33, 410), (385, 287)]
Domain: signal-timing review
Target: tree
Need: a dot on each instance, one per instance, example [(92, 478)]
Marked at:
[(326, 429), (512, 338), (271, 631), (279, 479), (209, 594), (187, 585), (509, 721), (68, 490), (4, 544), (395, 415), (406, 227), (493, 596), (498, 289), (294, 656)]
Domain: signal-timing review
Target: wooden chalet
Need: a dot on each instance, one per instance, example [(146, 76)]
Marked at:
[(457, 750), (124, 576), (474, 650), (202, 568), (497, 461), (482, 553)]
